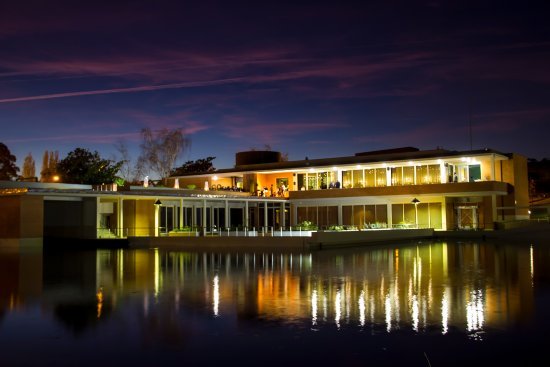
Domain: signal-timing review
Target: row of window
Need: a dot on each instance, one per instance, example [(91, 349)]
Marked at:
[(390, 176)]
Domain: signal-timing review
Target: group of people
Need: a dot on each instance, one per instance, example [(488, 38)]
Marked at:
[(272, 192)]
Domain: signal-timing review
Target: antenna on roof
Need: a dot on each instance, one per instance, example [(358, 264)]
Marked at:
[(470, 123)]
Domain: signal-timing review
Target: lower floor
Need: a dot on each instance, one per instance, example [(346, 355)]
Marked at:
[(141, 217)]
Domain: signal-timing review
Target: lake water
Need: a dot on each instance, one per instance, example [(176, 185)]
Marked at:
[(419, 304)]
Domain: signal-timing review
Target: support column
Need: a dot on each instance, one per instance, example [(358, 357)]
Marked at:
[(245, 220), (120, 218), (390, 216), (265, 215), (340, 215), (294, 210), (494, 207), (282, 216), (156, 220), (227, 216), (204, 217), (181, 214)]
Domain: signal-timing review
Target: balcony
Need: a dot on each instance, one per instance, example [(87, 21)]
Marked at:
[(481, 188)]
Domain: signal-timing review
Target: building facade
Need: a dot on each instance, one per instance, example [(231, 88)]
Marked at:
[(390, 189)]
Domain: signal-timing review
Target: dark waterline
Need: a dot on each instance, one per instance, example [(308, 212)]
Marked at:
[(422, 304)]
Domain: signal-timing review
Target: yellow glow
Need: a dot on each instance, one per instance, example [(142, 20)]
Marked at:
[(13, 191), (157, 272), (532, 264), (338, 308), (314, 307), (216, 300), (55, 178), (475, 313), (414, 312), (215, 178), (99, 296), (362, 308), (445, 311)]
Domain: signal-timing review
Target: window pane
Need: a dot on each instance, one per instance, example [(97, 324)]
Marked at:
[(381, 177)]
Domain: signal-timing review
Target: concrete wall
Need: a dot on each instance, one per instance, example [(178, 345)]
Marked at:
[(70, 219), (139, 217), (21, 216)]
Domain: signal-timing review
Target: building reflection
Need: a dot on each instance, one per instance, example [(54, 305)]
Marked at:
[(20, 277), (433, 287), (467, 287)]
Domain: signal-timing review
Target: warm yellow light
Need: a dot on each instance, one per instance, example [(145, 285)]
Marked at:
[(215, 178), (55, 178)]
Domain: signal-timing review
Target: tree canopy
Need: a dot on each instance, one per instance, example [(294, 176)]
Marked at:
[(161, 149), (84, 167), (8, 169), (202, 165)]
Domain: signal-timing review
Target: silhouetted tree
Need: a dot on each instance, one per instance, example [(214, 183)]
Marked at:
[(84, 167), (8, 169), (161, 149), (128, 171), (49, 166), (29, 168), (202, 165)]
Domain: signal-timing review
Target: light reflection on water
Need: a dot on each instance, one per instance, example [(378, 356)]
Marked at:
[(464, 289)]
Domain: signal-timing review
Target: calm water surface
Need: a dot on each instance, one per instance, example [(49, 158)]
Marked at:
[(422, 304)]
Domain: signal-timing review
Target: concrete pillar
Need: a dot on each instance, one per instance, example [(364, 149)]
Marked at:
[(157, 208), (181, 214), (245, 220), (340, 215), (282, 216), (390, 216), (120, 218), (294, 210), (203, 216), (227, 216), (265, 215)]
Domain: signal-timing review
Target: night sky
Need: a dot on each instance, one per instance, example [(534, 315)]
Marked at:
[(308, 78)]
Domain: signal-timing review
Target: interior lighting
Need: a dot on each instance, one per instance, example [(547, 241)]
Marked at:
[(215, 178)]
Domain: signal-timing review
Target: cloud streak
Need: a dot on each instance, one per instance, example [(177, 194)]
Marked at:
[(122, 90)]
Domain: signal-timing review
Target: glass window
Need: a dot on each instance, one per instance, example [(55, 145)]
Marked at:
[(323, 180), (370, 180), (346, 179), (434, 173), (301, 181), (422, 176), (358, 178), (475, 172), (397, 176), (381, 177), (312, 181), (408, 175)]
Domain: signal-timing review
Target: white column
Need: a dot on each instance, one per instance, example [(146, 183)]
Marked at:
[(340, 215), (444, 214), (245, 214), (181, 213), (282, 219), (156, 220), (265, 215), (120, 217), (443, 172), (227, 217), (204, 216), (390, 217)]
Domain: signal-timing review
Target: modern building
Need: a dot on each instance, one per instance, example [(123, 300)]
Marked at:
[(397, 188)]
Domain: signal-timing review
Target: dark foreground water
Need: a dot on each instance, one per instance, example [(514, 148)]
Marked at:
[(422, 304)]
